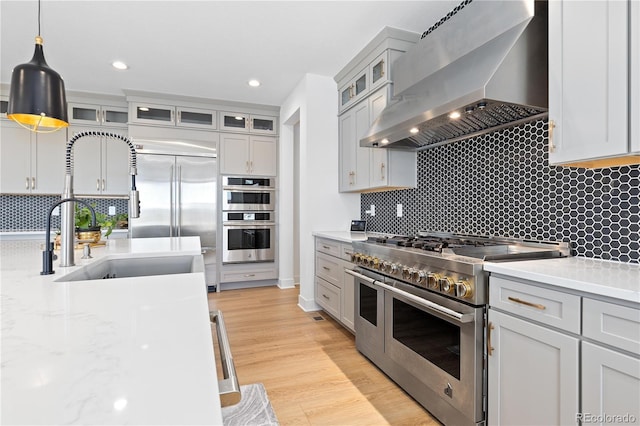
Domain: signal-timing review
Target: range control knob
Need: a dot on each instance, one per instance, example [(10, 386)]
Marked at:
[(413, 274), (464, 289), (394, 268), (446, 285), (422, 277), (375, 263), (354, 257), (406, 272), (433, 281), (385, 266)]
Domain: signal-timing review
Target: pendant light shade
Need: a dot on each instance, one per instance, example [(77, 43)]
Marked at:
[(37, 98)]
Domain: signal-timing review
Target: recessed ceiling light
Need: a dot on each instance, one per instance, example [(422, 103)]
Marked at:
[(454, 115), (414, 130), (254, 83), (119, 65)]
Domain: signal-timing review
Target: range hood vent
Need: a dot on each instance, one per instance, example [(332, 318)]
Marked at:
[(483, 69)]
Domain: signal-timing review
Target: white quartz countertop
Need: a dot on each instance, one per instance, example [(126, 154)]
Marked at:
[(119, 351), (599, 277), (344, 236)]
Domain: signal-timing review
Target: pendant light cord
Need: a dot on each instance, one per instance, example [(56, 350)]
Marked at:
[(39, 33)]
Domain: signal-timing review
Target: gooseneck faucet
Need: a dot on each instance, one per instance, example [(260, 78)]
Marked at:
[(47, 254), (68, 209)]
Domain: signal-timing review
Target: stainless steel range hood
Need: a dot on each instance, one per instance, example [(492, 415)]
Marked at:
[(487, 64)]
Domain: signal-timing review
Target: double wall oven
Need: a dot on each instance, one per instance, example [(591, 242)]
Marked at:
[(248, 219), (420, 312)]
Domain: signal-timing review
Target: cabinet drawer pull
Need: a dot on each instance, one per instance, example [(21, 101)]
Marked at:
[(524, 302), (552, 146), (326, 247), (326, 297), (326, 269), (489, 347), (249, 275)]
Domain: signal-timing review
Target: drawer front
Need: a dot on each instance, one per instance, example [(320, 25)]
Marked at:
[(329, 268), (554, 308), (347, 250), (228, 277), (612, 324), (329, 247), (328, 296)]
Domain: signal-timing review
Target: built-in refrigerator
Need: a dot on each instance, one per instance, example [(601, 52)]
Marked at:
[(178, 193)]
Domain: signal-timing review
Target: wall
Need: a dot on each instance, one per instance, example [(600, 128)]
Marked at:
[(313, 103), (502, 184)]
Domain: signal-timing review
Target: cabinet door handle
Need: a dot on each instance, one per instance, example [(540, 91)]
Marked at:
[(524, 302), (173, 121), (247, 166), (382, 171), (382, 70), (97, 184), (33, 183), (98, 115), (251, 166), (179, 117), (104, 185), (489, 347), (250, 123), (26, 185), (552, 146)]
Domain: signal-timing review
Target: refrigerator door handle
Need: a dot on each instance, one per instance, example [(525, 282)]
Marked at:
[(179, 202), (171, 201)]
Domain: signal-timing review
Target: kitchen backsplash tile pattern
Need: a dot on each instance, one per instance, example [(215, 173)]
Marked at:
[(29, 212), (502, 184)]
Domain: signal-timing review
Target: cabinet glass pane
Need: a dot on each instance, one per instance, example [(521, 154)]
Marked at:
[(378, 71), (196, 118), (361, 84), (345, 95), (157, 114), (237, 122), (115, 117), (262, 124), (3, 106), (86, 114)]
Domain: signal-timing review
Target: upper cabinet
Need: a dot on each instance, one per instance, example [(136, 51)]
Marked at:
[(364, 89), (593, 83), (166, 115), (248, 155), (247, 123), (98, 115)]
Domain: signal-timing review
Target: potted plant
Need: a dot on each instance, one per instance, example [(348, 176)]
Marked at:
[(122, 221), (84, 230)]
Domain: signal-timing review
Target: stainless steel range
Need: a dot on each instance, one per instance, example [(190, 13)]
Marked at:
[(420, 313)]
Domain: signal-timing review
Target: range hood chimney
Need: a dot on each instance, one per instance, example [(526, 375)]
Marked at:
[(483, 69)]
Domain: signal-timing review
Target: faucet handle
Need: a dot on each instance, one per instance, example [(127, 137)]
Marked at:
[(86, 251)]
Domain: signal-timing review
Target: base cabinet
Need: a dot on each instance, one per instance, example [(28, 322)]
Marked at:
[(533, 375)]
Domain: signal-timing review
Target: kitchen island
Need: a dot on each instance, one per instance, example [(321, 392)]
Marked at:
[(120, 351)]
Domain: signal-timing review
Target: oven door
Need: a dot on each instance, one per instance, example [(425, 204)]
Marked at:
[(248, 199), (439, 342), (369, 314), (248, 243)]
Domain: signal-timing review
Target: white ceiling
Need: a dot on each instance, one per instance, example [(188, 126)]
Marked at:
[(207, 49)]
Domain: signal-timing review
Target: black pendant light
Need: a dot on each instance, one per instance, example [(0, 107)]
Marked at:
[(37, 99)]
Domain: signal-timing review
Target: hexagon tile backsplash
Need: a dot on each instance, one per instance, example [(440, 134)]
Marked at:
[(502, 184)]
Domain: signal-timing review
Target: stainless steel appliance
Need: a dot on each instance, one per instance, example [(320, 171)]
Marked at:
[(179, 179), (454, 84), (420, 311), (248, 237), (248, 193)]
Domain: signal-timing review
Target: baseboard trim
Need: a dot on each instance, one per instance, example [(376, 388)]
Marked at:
[(286, 283), (308, 305)]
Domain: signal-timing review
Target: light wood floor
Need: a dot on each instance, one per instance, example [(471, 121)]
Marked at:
[(311, 369)]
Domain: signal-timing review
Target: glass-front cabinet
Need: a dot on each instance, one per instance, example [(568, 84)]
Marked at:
[(179, 116), (378, 70), (92, 114), (354, 90), (247, 123)]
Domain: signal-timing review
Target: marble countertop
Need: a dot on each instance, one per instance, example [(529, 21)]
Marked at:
[(344, 236), (120, 351), (599, 277)]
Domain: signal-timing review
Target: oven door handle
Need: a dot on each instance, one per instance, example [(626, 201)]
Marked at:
[(361, 277), (429, 305)]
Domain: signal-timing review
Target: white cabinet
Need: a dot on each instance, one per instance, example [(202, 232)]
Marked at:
[(589, 93), (168, 115), (248, 155), (248, 123), (354, 90), (31, 163), (97, 115), (364, 168), (101, 165), (533, 373), (334, 287), (635, 75)]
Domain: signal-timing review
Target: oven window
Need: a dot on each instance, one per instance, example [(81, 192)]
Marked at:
[(249, 239), (434, 339), (248, 197), (369, 304)]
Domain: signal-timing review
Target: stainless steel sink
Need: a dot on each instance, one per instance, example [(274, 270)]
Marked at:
[(136, 267)]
